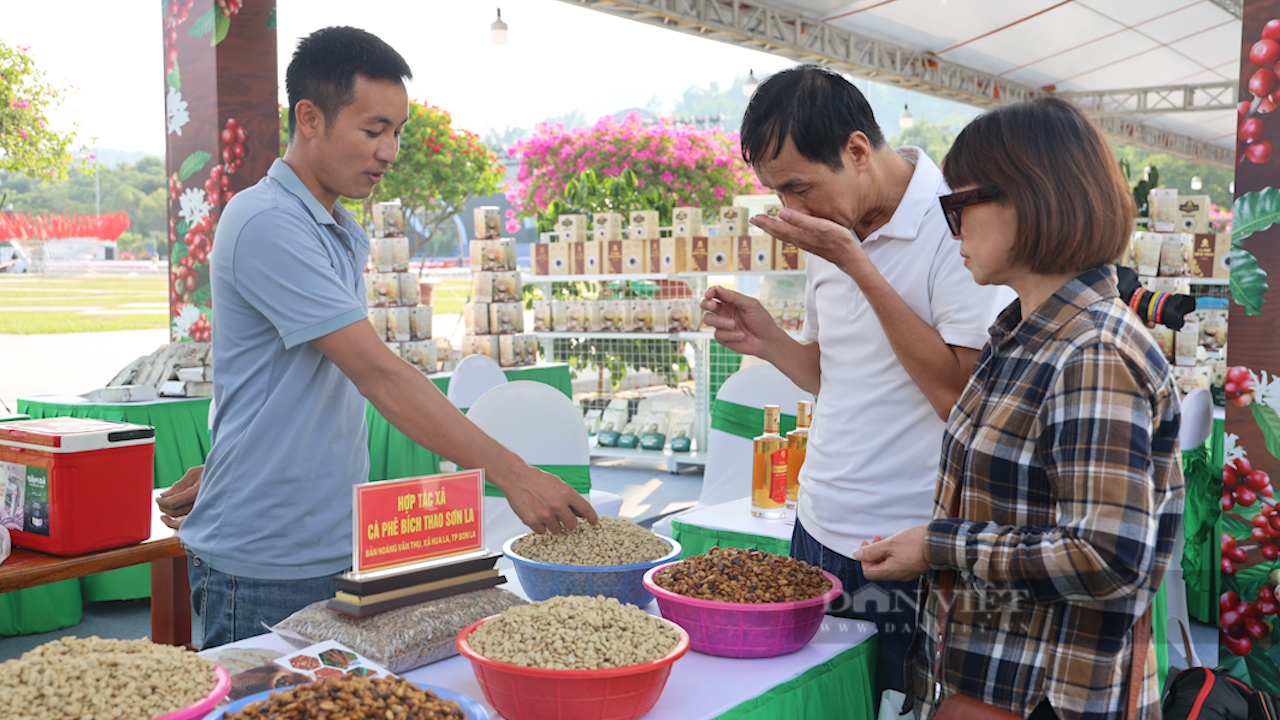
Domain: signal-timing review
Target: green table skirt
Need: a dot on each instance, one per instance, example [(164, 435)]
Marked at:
[(841, 688), (694, 540), (182, 442)]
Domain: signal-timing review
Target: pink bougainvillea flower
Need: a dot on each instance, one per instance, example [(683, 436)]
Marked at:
[(513, 226)]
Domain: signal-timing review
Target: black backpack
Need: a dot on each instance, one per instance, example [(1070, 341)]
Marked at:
[(1203, 694)]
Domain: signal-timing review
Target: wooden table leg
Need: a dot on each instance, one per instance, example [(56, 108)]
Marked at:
[(170, 602)]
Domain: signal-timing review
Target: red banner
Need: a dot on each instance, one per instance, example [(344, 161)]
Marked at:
[(400, 522)]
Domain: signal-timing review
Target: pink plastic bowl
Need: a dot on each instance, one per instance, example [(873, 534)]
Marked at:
[(744, 630), (202, 708), (523, 693)]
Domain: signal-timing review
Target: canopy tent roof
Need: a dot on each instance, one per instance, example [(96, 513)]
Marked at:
[(1160, 74)]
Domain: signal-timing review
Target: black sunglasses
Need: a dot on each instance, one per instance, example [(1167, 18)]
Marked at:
[(952, 204)]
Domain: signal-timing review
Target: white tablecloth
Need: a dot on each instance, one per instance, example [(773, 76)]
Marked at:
[(700, 686), (735, 516)]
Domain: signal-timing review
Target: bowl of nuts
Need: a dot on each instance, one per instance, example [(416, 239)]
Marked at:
[(572, 657), (744, 603), (608, 559)]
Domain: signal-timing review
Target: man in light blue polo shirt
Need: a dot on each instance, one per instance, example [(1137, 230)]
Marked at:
[(296, 359)]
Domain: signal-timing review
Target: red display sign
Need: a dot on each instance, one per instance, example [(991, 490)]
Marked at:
[(400, 522)]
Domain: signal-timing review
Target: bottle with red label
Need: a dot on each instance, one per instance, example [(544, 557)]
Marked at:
[(797, 448), (769, 469)]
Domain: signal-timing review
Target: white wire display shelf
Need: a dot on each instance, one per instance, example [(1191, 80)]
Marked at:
[(546, 279), (676, 461)]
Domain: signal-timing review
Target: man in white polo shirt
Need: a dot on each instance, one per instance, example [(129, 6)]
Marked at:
[(894, 324)]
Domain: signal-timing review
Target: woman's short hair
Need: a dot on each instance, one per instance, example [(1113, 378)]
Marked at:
[(1075, 210)]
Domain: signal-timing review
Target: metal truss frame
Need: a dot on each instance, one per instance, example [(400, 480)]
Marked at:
[(760, 26)]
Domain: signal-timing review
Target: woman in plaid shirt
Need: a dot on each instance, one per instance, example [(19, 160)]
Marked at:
[(1063, 445)]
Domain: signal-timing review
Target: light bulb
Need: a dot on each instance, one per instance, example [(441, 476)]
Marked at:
[(498, 30), (749, 87), (1195, 182), (905, 120)]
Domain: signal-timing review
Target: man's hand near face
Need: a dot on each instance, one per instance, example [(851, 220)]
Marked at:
[(829, 241)]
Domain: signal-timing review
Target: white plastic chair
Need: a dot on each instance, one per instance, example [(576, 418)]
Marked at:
[(727, 475), (1193, 430), (474, 376), (543, 427)]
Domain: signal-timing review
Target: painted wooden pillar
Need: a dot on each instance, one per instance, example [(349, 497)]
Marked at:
[(1250, 524), (222, 126)]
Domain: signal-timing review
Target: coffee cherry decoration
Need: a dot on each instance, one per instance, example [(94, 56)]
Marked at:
[(176, 13), (1264, 85), (1240, 386), (1242, 485), (1241, 624), (230, 7)]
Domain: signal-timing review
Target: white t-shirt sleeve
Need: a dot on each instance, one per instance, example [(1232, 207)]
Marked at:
[(810, 304), (963, 310)]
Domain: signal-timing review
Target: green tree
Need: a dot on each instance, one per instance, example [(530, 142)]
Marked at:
[(27, 144), (712, 101), (1177, 173), (934, 139), (438, 168)]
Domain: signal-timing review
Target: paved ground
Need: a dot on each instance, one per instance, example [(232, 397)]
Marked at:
[(68, 364)]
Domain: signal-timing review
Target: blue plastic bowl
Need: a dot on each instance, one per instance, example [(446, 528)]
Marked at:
[(541, 581)]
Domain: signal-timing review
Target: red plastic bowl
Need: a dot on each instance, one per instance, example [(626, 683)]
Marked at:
[(524, 693), (744, 630), (202, 707)]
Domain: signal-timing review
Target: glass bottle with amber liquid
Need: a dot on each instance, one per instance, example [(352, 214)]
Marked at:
[(797, 447), (769, 469)]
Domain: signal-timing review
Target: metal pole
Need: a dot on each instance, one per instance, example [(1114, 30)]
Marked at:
[(97, 185)]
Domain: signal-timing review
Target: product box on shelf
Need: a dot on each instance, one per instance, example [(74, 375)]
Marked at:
[(486, 345), (383, 288), (1164, 340), (540, 259), (476, 318), (1175, 254), (755, 252), (410, 292), (69, 485), (542, 316), (577, 311), (420, 322), (577, 258), (686, 222), (560, 316), (606, 226), (572, 228), (733, 221), (1146, 253), (1209, 255), (507, 350), (788, 256), (493, 255), (393, 347), (673, 255), (1186, 342), (507, 287), (388, 219), (653, 430), (482, 287), (398, 324), (1193, 214), (506, 318), (720, 253), (561, 257), (378, 316), (679, 312), (1162, 209), (446, 355), (698, 248), (594, 312), (642, 315), (390, 254), (617, 316), (531, 349), (635, 256), (644, 224), (592, 257), (487, 222), (420, 354), (1213, 328), (612, 257)]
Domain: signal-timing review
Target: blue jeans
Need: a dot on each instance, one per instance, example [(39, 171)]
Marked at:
[(233, 608), (890, 605)]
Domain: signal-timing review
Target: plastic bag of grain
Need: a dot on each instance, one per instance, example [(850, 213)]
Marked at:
[(400, 639)]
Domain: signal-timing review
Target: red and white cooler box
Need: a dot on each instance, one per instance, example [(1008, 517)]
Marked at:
[(76, 485)]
